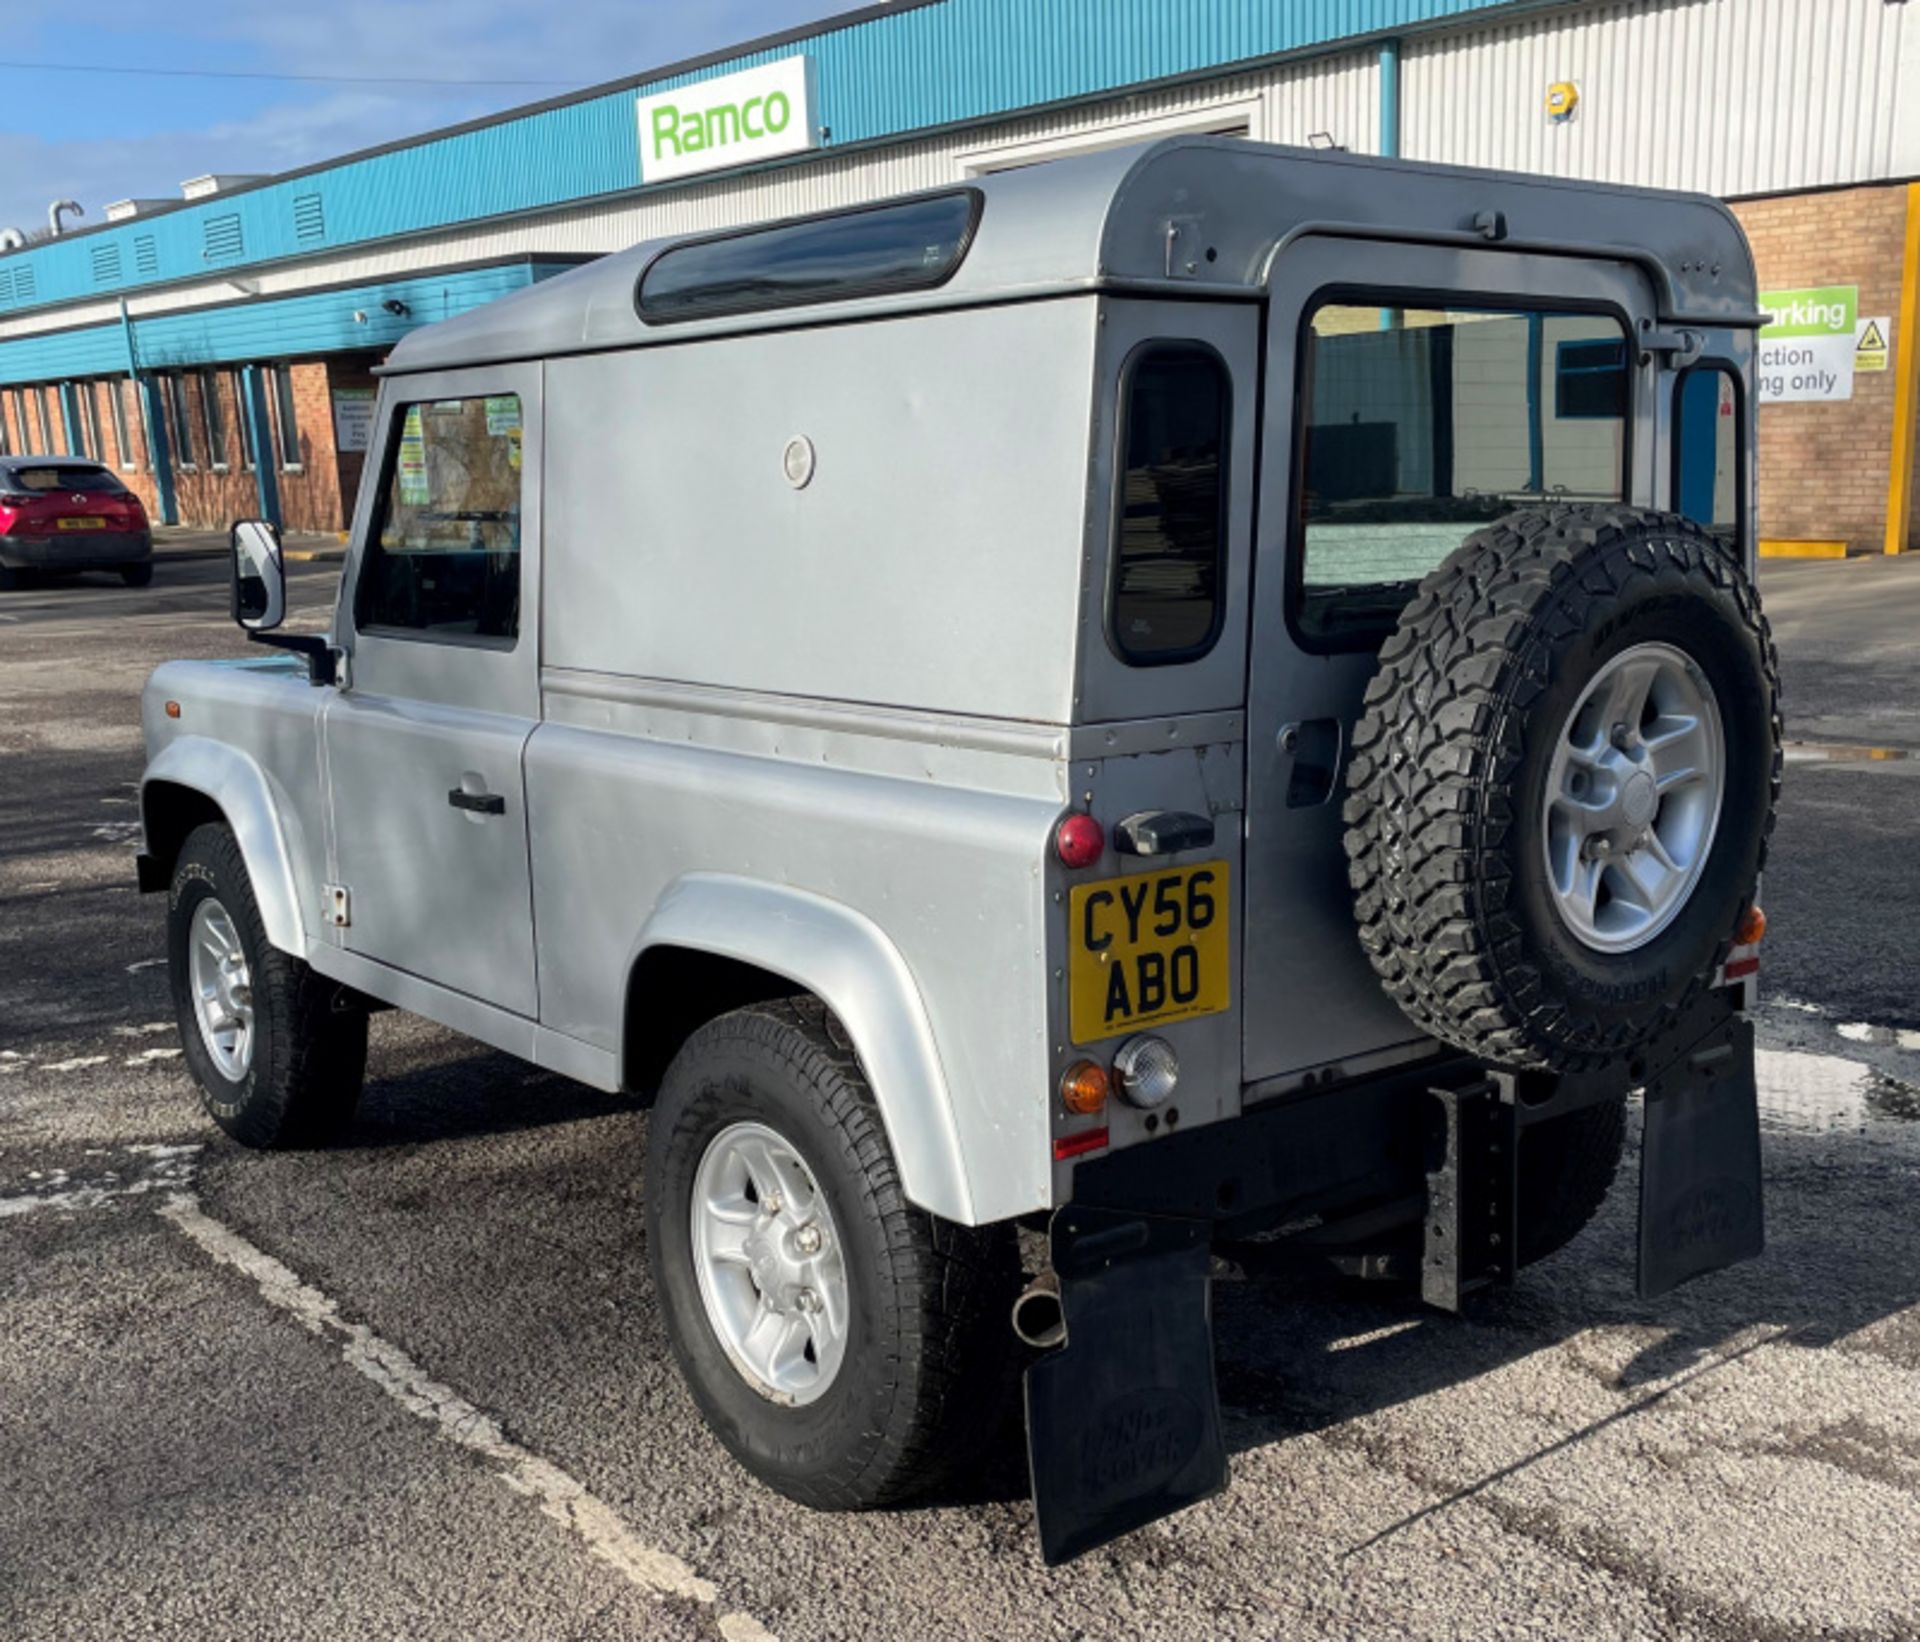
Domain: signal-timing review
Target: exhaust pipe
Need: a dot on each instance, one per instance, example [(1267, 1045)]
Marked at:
[(1037, 1317)]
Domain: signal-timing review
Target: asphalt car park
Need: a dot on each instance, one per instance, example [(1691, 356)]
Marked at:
[(416, 1384)]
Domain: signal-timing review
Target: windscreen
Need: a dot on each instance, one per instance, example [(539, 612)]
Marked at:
[(1423, 424), (77, 478)]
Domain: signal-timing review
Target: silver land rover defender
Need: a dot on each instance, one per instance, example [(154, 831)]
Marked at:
[(1196, 693)]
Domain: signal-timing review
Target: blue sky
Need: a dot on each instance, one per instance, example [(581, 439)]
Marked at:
[(96, 137)]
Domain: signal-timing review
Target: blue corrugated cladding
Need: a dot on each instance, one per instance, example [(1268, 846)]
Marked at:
[(934, 65), (289, 326)]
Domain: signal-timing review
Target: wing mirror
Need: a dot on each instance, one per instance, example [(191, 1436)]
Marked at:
[(259, 576)]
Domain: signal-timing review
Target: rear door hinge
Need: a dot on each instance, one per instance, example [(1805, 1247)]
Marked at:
[(338, 905)]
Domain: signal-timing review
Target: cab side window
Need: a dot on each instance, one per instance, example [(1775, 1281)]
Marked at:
[(444, 556)]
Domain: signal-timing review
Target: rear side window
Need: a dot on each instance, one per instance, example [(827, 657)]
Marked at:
[(79, 478), (444, 558), (1420, 425), (1170, 543), (910, 247), (1708, 450)]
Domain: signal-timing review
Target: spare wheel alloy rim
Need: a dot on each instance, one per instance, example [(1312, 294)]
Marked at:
[(1633, 798), (770, 1265)]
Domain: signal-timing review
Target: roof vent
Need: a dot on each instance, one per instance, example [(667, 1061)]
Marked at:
[(218, 182), (123, 210)]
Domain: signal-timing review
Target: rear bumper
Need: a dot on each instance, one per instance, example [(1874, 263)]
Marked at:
[(1412, 1174), (76, 549)]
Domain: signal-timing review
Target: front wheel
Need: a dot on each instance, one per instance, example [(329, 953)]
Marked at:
[(278, 1063), (849, 1349)]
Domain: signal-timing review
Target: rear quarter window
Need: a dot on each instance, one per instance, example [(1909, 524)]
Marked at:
[(1170, 535)]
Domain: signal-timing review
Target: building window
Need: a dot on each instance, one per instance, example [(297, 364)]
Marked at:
[(237, 383), (117, 409), (1418, 434), (90, 445), (214, 417), (444, 557), (173, 397), (1590, 379), (1170, 536), (286, 425)]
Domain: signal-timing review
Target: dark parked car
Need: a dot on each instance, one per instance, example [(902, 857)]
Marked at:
[(60, 514)]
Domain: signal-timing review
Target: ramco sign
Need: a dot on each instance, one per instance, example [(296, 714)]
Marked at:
[(738, 119)]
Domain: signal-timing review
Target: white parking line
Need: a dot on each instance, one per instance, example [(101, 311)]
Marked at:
[(560, 1496)]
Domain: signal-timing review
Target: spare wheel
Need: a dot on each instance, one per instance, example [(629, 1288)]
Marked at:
[(1562, 784)]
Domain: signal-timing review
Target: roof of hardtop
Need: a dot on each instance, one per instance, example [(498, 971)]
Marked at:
[(1100, 221)]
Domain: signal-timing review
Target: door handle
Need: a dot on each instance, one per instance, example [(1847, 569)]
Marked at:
[(1162, 832), (480, 803)]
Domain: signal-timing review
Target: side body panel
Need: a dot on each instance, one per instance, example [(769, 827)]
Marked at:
[(884, 892), (248, 738), (876, 513)]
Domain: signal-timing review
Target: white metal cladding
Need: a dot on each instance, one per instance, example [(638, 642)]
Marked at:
[(1728, 97)]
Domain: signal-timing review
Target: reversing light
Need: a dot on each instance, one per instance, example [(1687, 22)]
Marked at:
[(1752, 927), (1146, 1071), (1084, 1087), (1079, 840)]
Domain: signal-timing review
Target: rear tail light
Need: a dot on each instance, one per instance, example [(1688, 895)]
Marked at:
[(9, 499), (1079, 840), (1084, 1087)]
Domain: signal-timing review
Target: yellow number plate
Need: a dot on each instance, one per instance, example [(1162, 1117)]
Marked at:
[(83, 521), (1146, 949)]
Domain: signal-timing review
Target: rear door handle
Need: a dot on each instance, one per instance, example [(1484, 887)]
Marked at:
[(1162, 832), (481, 803)]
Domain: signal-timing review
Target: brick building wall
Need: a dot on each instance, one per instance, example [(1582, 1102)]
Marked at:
[(213, 478), (1824, 468)]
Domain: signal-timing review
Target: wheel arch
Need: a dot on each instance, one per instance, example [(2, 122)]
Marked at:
[(716, 941), (197, 780)]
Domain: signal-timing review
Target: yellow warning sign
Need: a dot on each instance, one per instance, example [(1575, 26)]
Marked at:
[(1870, 352)]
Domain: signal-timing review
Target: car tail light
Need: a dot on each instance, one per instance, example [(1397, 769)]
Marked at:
[(9, 499), (1079, 840), (1084, 1087)]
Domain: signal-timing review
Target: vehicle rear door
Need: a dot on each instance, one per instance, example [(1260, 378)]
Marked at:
[(1413, 394), (423, 749)]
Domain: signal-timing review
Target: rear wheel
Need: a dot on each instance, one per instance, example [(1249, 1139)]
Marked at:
[(849, 1349), (136, 575), (11, 578), (1562, 784), (1567, 1166), (278, 1063)]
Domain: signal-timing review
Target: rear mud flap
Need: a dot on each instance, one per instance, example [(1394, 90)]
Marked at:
[(1700, 1194), (1123, 1420)]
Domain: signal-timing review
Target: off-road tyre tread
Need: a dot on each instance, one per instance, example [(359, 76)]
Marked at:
[(953, 1363), (1437, 751), (310, 1057)]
